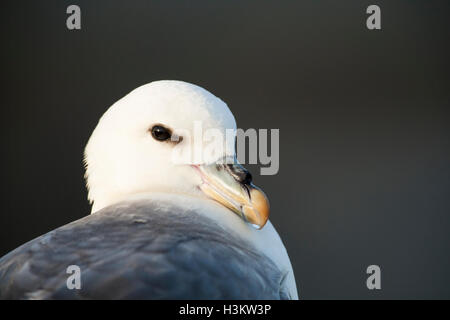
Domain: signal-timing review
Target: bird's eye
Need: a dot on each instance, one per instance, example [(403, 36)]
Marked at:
[(160, 133)]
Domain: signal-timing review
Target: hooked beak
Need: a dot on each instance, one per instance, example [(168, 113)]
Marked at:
[(231, 185)]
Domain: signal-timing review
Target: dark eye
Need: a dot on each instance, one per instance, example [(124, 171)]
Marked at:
[(160, 133)]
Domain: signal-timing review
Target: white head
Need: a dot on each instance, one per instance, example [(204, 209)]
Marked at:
[(132, 150)]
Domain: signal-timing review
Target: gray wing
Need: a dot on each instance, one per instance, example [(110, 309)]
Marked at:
[(136, 251)]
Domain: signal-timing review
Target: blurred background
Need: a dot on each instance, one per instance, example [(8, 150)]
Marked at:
[(363, 116)]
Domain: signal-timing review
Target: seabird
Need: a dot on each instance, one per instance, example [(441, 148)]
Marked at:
[(159, 228)]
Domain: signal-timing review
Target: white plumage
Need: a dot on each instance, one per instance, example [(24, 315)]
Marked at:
[(131, 176)]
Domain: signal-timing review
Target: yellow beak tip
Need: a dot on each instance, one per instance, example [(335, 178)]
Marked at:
[(258, 213)]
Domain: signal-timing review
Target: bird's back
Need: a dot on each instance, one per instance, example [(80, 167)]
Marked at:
[(136, 251)]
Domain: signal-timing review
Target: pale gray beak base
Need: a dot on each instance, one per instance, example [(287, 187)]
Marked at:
[(231, 185)]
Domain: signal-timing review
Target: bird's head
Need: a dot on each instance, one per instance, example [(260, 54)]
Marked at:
[(173, 137)]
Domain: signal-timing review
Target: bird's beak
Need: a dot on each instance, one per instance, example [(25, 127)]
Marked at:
[(230, 185)]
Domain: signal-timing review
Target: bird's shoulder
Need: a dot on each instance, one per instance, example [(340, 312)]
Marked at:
[(137, 250)]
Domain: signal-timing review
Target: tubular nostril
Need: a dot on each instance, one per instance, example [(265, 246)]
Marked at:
[(240, 173), (247, 178)]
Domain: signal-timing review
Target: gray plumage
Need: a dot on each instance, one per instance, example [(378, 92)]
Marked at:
[(136, 250)]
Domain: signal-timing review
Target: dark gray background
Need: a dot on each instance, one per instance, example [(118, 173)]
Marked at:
[(363, 118)]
